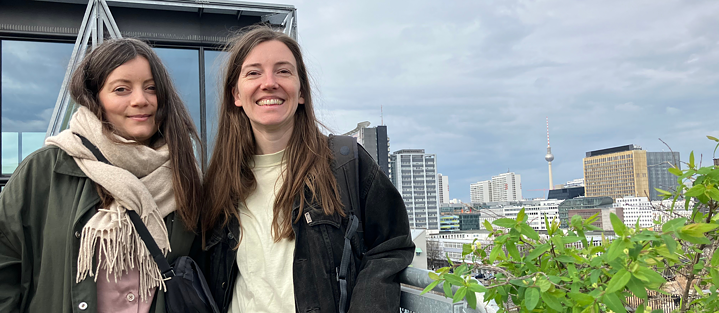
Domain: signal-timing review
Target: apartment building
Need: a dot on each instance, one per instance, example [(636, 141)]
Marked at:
[(414, 174)]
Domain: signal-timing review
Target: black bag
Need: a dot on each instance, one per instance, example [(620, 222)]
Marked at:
[(344, 150), (187, 290)]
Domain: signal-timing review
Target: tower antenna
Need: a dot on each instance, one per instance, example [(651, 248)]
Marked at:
[(381, 114), (549, 157)]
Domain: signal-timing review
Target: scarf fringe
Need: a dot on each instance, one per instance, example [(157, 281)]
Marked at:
[(119, 250)]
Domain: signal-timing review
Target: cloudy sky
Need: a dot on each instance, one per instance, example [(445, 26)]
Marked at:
[(473, 81)]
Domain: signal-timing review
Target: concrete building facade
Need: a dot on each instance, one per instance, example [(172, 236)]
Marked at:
[(414, 174), (636, 209), (616, 172), (481, 191), (443, 188), (502, 187)]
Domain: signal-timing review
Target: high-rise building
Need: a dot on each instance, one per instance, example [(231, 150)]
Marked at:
[(503, 187), (507, 187), (414, 174), (616, 172), (481, 191), (658, 164), (443, 189), (376, 142)]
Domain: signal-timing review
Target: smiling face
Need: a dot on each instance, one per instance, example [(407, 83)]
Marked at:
[(129, 100), (268, 88)]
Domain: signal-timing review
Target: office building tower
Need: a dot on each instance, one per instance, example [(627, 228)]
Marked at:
[(414, 173), (443, 182), (658, 164), (616, 172), (376, 142), (507, 187), (480, 192)]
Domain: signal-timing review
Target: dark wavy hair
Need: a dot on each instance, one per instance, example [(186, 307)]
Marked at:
[(229, 179), (174, 123)]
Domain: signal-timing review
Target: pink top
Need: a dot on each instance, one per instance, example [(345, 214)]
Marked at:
[(122, 296)]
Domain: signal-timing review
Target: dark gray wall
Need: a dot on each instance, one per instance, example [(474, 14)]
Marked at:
[(658, 164)]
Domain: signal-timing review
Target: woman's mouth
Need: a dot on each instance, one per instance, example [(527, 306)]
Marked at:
[(265, 102), (140, 117)]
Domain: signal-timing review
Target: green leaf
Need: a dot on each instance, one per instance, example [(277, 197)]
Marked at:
[(695, 191), (454, 279), (715, 258), (537, 252), (495, 253), (670, 242), (518, 282), (565, 259), (430, 286), (619, 228), (512, 250), (691, 159), (715, 277), (488, 225), (675, 171), (471, 299), (552, 301), (505, 222), (695, 240), (615, 249), (637, 288), (673, 225), (447, 287), (576, 221), (698, 229), (433, 276), (466, 249), (618, 281), (713, 138), (529, 232), (459, 295), (543, 284), (477, 288), (649, 276), (591, 219), (531, 298), (713, 193), (612, 301), (594, 277), (581, 298), (521, 215)]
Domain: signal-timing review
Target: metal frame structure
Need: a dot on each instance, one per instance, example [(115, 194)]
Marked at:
[(98, 18)]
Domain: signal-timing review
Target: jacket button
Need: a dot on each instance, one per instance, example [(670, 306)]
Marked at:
[(130, 297), (77, 234), (223, 285), (230, 235), (82, 306)]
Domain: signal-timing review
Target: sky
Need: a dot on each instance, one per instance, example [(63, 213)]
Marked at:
[(474, 81)]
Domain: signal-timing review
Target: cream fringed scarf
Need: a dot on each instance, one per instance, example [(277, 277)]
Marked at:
[(140, 180)]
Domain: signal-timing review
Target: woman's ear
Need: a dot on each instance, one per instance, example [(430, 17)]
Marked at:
[(236, 95)]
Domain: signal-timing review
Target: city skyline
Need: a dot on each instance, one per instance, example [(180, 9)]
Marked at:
[(473, 81)]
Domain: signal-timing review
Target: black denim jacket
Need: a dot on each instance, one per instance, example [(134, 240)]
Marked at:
[(373, 284)]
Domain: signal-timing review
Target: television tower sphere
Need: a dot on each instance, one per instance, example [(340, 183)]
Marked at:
[(549, 157)]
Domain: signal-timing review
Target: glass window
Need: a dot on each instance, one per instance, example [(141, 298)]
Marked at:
[(32, 73), (184, 68), (214, 61)]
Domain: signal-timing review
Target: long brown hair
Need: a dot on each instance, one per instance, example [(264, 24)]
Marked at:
[(175, 125), (229, 179)]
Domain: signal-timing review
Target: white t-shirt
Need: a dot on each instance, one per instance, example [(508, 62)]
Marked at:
[(264, 282)]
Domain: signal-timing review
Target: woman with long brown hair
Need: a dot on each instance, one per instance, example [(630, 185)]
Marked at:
[(66, 240), (276, 216)]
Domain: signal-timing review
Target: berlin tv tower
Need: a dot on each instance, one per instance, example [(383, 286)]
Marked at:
[(549, 157)]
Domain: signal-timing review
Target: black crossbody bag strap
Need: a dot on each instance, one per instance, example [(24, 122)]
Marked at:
[(339, 148), (140, 227)]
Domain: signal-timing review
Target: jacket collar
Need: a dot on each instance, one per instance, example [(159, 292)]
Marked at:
[(65, 164)]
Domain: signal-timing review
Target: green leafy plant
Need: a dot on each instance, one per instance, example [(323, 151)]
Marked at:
[(566, 271)]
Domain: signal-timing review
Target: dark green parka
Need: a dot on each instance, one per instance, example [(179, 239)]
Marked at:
[(43, 209)]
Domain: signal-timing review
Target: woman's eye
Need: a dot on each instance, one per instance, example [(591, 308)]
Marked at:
[(152, 88), (120, 89), (285, 71), (253, 73)]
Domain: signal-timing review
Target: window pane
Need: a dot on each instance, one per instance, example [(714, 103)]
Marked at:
[(32, 73), (184, 68), (214, 61)]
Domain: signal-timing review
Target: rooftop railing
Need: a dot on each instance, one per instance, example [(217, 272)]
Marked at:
[(414, 280)]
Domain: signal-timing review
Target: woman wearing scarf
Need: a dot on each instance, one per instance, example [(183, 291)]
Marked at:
[(276, 218), (66, 241)]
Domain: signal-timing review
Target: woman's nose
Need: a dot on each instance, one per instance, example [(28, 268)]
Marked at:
[(269, 82)]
